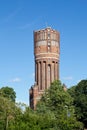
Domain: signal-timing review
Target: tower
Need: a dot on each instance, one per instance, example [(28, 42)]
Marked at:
[(46, 53)]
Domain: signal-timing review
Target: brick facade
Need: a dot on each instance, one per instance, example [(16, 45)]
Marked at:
[(46, 53)]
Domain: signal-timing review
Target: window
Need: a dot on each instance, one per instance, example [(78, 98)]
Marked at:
[(48, 43), (48, 35), (48, 48)]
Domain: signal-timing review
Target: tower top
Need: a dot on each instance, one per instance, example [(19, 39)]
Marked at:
[(47, 28)]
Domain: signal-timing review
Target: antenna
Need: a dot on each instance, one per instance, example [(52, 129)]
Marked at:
[(46, 24)]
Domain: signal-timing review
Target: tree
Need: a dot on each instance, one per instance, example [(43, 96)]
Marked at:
[(11, 115), (8, 92), (59, 106), (7, 110), (80, 101), (71, 91)]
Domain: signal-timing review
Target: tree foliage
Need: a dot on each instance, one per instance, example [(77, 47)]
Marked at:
[(79, 94), (59, 105), (81, 101), (8, 92), (7, 112), (55, 111)]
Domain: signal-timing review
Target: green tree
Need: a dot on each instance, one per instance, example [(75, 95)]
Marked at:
[(8, 92), (36, 121), (80, 101), (30, 120), (71, 91), (11, 115), (7, 110), (59, 103), (18, 121)]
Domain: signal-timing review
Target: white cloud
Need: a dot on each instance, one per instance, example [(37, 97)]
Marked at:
[(68, 78), (15, 80)]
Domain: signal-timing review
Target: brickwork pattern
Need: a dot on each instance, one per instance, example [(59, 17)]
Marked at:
[(46, 53)]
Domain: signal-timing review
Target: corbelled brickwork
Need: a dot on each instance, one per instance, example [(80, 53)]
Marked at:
[(46, 52)]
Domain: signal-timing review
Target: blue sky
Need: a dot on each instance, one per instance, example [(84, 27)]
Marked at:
[(18, 20)]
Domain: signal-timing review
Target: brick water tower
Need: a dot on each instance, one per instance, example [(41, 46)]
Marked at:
[(46, 53)]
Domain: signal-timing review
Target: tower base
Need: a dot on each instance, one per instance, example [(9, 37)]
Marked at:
[(35, 96)]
